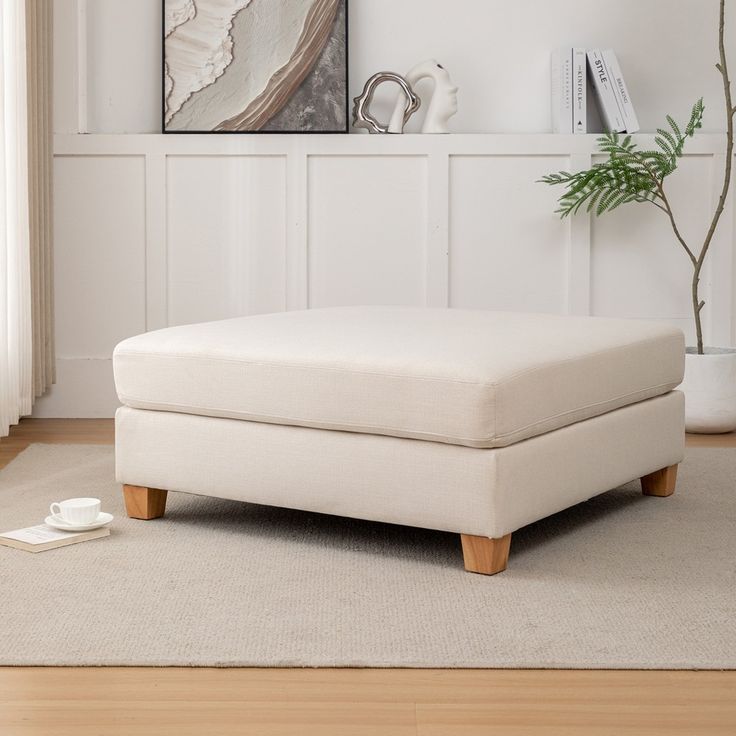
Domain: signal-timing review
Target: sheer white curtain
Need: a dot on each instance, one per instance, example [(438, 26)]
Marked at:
[(16, 329)]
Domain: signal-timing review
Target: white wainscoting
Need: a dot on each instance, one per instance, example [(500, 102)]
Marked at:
[(156, 230)]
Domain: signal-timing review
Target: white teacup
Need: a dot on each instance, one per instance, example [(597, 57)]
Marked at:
[(77, 510)]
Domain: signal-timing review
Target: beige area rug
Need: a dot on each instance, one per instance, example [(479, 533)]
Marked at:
[(620, 581)]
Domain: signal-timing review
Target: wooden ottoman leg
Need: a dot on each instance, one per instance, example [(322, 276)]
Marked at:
[(660, 482), (144, 503), (484, 555)]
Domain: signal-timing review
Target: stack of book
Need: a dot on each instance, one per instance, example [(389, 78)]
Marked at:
[(572, 70)]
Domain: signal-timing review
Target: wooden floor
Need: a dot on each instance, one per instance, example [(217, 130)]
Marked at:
[(269, 702), (55, 431)]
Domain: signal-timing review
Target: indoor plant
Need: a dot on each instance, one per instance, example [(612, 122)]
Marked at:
[(633, 175)]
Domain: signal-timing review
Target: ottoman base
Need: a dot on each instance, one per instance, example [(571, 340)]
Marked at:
[(487, 493)]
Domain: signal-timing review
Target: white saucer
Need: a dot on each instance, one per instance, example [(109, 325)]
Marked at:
[(57, 523)]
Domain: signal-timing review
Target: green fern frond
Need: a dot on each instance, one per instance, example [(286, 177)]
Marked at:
[(628, 174), (675, 127), (696, 118), (673, 143)]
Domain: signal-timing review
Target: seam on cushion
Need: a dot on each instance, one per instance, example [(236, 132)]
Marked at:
[(488, 384), (668, 386), (382, 429)]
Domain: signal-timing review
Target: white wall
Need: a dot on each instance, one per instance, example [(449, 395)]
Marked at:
[(496, 50), (157, 230)]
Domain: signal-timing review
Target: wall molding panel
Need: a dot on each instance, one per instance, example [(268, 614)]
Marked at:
[(157, 230)]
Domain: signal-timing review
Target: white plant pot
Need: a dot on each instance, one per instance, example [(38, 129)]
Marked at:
[(710, 391)]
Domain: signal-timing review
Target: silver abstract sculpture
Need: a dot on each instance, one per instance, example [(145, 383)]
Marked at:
[(362, 117)]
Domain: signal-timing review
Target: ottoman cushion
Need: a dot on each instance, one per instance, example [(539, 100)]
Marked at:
[(480, 379)]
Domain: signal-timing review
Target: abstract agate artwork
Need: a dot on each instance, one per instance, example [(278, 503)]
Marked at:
[(277, 66)]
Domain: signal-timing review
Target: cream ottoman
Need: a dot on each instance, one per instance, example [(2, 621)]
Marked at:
[(465, 421)]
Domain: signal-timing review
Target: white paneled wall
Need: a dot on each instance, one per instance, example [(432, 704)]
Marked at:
[(100, 252), (100, 275), (226, 239), (367, 229), (507, 250), (164, 230)]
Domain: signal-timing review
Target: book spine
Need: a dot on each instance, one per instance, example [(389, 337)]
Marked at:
[(580, 91), (562, 91), (612, 116), (622, 92), (556, 90)]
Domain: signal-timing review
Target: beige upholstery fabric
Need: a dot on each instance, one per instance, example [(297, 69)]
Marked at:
[(426, 484), (480, 379)]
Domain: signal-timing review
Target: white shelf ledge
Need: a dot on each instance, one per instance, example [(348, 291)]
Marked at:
[(458, 144)]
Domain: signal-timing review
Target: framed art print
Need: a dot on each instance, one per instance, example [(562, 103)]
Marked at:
[(255, 66)]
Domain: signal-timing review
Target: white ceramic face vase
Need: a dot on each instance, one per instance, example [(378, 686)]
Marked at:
[(442, 105)]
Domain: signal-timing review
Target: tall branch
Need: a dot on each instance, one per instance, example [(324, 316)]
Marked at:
[(722, 67)]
